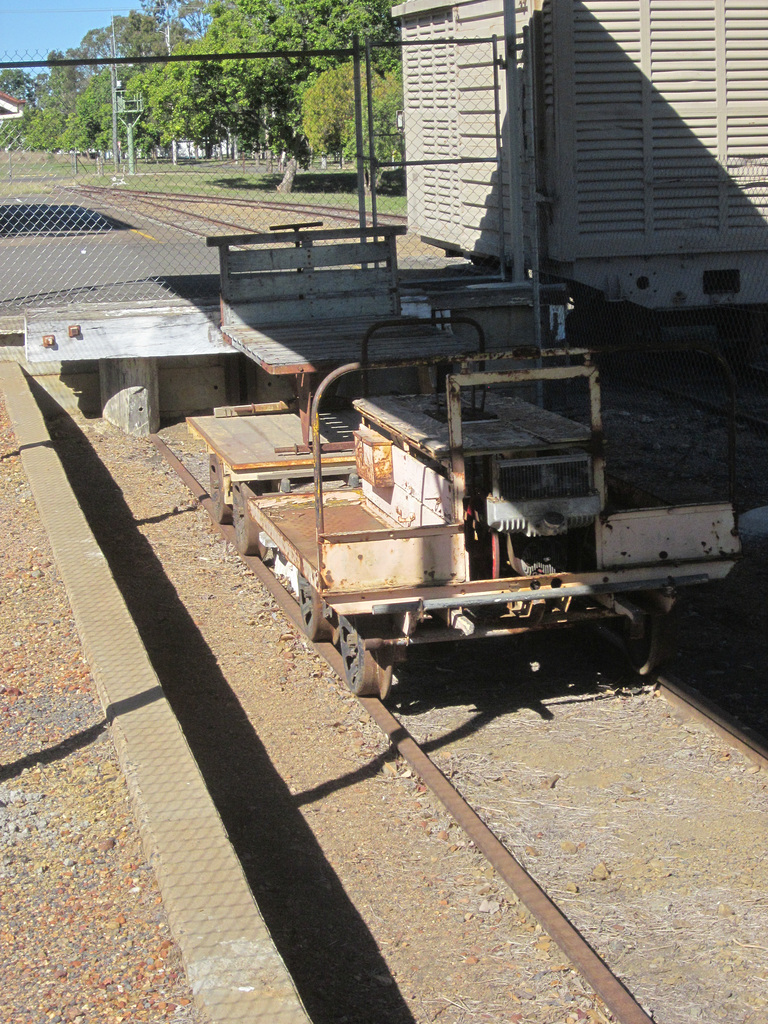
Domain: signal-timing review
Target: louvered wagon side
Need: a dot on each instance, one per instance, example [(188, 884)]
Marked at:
[(638, 146)]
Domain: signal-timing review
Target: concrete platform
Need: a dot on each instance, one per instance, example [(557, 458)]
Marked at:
[(234, 969)]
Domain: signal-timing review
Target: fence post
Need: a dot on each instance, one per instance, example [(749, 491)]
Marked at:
[(359, 130), (371, 139), (514, 144), (499, 161)]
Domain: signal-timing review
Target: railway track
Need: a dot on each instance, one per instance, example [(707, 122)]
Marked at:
[(553, 921), (159, 205)]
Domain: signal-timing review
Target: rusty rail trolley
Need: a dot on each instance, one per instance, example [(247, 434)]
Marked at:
[(460, 509)]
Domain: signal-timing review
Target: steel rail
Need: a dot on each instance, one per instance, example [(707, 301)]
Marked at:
[(571, 942), (695, 706), (160, 199)]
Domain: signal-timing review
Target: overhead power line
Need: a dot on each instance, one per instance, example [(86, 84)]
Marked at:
[(62, 10)]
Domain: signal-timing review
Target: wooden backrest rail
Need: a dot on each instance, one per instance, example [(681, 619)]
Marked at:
[(294, 276), (327, 234)]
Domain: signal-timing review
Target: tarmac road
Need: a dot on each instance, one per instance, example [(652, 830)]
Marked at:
[(56, 249)]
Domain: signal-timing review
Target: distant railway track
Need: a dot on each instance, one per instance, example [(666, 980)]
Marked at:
[(159, 205), (584, 958)]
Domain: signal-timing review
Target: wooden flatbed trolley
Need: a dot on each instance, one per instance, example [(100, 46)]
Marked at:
[(466, 512)]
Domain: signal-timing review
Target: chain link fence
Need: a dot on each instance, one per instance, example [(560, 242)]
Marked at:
[(102, 200), (115, 173)]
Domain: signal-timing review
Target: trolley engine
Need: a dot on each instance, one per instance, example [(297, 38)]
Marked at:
[(538, 510)]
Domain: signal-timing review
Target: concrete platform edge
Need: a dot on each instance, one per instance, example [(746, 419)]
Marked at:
[(234, 969)]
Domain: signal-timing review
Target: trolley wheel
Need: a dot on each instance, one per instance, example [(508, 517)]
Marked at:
[(313, 620), (246, 531), (368, 673), (222, 512), (658, 644)]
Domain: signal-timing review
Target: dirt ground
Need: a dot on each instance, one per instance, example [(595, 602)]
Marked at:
[(651, 836), (83, 933)]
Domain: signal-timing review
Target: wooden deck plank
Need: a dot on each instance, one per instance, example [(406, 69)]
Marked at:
[(312, 235), (253, 261), (322, 345), (341, 286), (248, 442), (518, 426)]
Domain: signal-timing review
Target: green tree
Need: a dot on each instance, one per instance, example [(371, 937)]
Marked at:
[(17, 83), (253, 100), (320, 24), (60, 88), (135, 35), (139, 35), (387, 101), (328, 110), (328, 113), (179, 19), (258, 101), (313, 24), (43, 130), (90, 127), (72, 105), (183, 101)]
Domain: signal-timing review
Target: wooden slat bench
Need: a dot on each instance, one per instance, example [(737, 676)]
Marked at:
[(299, 302)]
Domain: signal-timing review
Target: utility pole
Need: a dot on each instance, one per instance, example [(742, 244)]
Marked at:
[(113, 75), (167, 30)]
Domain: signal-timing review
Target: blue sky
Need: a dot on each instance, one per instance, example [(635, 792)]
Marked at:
[(35, 27)]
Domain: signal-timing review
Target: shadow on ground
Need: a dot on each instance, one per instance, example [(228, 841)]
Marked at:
[(51, 219), (325, 943)]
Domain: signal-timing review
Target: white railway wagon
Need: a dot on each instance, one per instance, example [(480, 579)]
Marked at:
[(649, 124)]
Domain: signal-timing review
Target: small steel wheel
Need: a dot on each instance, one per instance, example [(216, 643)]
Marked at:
[(313, 621), (658, 644), (367, 673), (222, 512), (246, 531)]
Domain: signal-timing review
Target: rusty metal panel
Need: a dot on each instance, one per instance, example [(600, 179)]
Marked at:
[(373, 457), (417, 495), (490, 592), (382, 560), (662, 536)]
